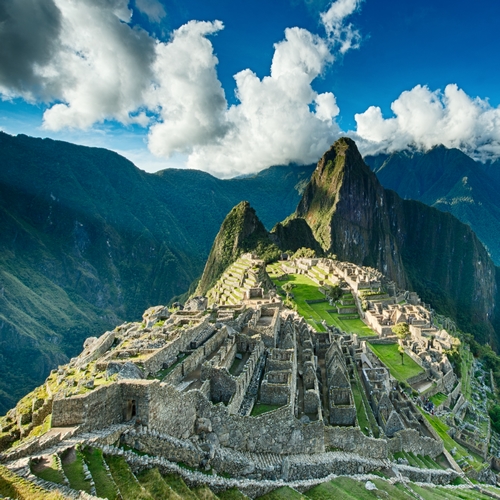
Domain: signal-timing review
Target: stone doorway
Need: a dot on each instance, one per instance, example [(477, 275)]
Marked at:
[(131, 410)]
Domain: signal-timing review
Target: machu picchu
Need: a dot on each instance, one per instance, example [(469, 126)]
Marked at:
[(242, 389)]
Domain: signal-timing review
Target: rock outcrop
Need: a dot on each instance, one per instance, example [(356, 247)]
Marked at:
[(241, 232), (420, 248)]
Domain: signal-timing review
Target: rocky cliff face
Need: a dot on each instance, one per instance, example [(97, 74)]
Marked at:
[(346, 208), (241, 232), (450, 181), (419, 247)]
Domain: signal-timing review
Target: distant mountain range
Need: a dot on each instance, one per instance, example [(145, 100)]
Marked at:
[(451, 181), (88, 241)]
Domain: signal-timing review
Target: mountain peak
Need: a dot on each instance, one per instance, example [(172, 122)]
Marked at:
[(240, 232), (344, 206)]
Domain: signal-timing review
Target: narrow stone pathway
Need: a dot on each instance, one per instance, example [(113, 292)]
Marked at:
[(253, 388)]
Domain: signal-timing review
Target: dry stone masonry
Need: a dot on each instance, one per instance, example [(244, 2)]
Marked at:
[(240, 384)]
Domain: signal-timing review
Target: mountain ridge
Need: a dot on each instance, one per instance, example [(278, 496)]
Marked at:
[(354, 217), (449, 180), (88, 241)]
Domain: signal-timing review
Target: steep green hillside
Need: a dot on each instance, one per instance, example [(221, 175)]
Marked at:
[(88, 240), (241, 232), (451, 181)]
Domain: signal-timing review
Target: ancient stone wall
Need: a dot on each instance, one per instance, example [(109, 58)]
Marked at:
[(162, 357), (97, 409), (410, 440), (276, 388), (351, 439), (163, 445), (273, 432), (419, 378), (172, 412), (244, 378), (213, 343)]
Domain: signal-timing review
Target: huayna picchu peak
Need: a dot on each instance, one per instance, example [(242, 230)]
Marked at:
[(352, 216)]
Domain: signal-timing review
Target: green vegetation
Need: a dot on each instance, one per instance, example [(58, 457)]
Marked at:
[(72, 464), (345, 488), (304, 289), (438, 398), (423, 462), (48, 470), (204, 493), (461, 453), (100, 221), (13, 486), (153, 482), (439, 493), (389, 355), (494, 413), (104, 486), (128, 485), (260, 408), (366, 419), (240, 232), (232, 494), (179, 486), (283, 493)]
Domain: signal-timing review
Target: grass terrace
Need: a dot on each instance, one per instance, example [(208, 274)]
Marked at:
[(366, 419), (104, 486), (389, 354), (14, 486), (449, 443), (438, 398), (306, 289)]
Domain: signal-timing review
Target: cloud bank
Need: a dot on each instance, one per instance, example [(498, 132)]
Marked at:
[(86, 61), (425, 118)]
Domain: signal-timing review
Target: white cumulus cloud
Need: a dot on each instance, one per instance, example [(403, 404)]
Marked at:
[(187, 94), (426, 118), (274, 122), (341, 34), (89, 64)]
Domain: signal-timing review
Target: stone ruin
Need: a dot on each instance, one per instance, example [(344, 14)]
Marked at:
[(232, 383)]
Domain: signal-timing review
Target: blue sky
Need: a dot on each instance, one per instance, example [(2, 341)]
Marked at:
[(148, 79)]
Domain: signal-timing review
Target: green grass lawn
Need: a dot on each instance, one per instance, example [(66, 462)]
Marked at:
[(449, 443), (179, 486), (232, 494), (389, 355), (345, 488), (314, 314), (125, 480), (467, 361), (73, 469), (363, 422), (260, 408), (363, 411), (152, 481), (438, 398), (103, 484), (50, 473), (283, 493), (14, 486)]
